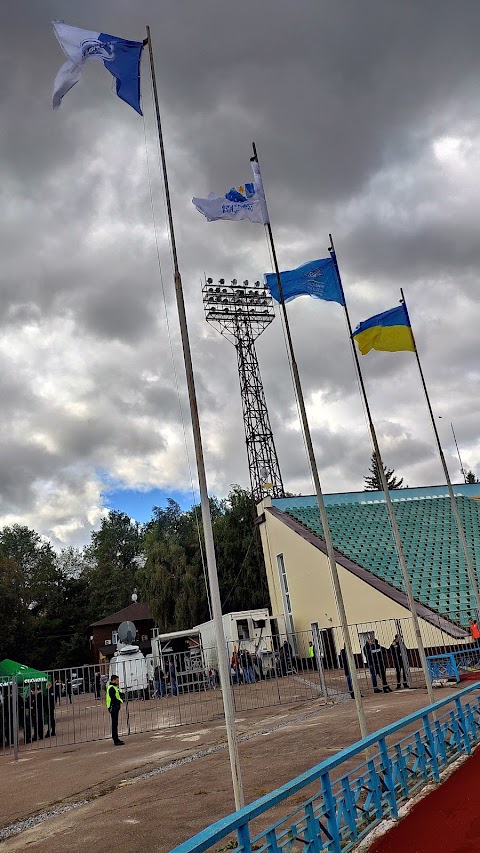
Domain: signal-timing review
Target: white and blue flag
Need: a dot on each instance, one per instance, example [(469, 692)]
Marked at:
[(120, 57), (317, 278), (245, 202)]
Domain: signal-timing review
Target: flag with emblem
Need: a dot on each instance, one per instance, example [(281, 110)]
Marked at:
[(119, 56), (316, 278), (244, 202)]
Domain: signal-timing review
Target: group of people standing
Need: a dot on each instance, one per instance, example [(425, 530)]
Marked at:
[(37, 711), (375, 656), (164, 678), (242, 669)]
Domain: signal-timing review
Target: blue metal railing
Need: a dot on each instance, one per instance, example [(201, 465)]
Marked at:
[(451, 665), (341, 808)]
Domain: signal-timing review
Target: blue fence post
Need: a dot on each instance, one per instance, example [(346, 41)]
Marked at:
[(243, 835), (330, 814), (402, 772), (350, 808), (271, 838), (421, 761), (440, 741), (388, 777), (463, 726), (375, 792), (312, 830), (431, 748)]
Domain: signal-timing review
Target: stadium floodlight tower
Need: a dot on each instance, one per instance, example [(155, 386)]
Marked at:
[(241, 312)]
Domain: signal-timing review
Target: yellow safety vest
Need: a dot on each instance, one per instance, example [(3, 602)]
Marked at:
[(117, 694), (311, 652)]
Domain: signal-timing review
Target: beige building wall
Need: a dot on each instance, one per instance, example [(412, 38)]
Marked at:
[(311, 592)]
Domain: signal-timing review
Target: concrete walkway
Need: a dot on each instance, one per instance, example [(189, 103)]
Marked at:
[(162, 787)]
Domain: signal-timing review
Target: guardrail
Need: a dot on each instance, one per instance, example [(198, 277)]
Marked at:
[(342, 807), (452, 665)]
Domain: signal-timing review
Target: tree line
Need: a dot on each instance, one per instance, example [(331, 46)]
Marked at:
[(48, 600)]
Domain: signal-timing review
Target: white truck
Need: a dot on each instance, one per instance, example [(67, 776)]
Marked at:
[(249, 630), (183, 649), (194, 651), (132, 669)]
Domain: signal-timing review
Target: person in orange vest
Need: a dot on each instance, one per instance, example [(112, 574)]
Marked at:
[(474, 630)]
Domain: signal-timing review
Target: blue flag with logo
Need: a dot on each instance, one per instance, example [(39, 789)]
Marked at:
[(119, 56), (317, 278)]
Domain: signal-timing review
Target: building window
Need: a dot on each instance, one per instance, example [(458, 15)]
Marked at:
[(242, 629), (287, 605), (114, 638)]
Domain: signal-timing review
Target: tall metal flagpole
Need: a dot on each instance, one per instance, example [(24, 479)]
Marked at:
[(462, 469), (453, 500), (391, 512), (223, 667), (321, 503)]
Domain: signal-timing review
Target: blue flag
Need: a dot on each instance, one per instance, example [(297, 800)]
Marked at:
[(119, 56), (317, 278)]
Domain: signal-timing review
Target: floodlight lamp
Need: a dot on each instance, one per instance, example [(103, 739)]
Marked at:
[(257, 284), (246, 282), (234, 280), (209, 280), (221, 281)]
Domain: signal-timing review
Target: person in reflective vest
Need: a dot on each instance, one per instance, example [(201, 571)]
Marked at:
[(114, 700), (312, 661)]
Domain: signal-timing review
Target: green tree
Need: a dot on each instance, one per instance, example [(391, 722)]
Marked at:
[(173, 578), (15, 617), (113, 558), (373, 482), (243, 581)]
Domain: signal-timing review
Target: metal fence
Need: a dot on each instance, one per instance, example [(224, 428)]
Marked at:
[(340, 804), (69, 707)]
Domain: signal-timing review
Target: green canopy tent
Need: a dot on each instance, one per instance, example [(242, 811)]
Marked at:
[(25, 675)]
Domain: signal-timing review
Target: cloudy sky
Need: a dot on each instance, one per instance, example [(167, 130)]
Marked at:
[(367, 121)]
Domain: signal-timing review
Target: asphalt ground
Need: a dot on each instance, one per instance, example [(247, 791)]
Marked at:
[(164, 786)]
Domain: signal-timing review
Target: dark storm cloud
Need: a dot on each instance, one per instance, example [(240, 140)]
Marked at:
[(367, 123)]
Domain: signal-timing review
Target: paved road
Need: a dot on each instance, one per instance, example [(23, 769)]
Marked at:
[(162, 787)]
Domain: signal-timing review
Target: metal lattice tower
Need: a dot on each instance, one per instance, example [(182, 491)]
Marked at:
[(241, 312)]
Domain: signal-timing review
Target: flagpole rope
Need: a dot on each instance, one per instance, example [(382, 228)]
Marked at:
[(175, 374), (282, 320)]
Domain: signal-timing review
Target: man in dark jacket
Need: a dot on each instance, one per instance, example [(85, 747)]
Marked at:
[(114, 700), (346, 669), (49, 709), (398, 661), (374, 654), (36, 711)]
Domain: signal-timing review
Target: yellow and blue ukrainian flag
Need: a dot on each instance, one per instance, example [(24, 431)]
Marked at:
[(388, 331)]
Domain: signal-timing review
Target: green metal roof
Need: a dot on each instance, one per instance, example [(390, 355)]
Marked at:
[(430, 541)]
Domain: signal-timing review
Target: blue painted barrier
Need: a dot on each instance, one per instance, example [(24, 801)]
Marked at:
[(342, 807), (451, 665)]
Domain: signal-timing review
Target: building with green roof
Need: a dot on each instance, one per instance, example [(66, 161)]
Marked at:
[(299, 576)]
